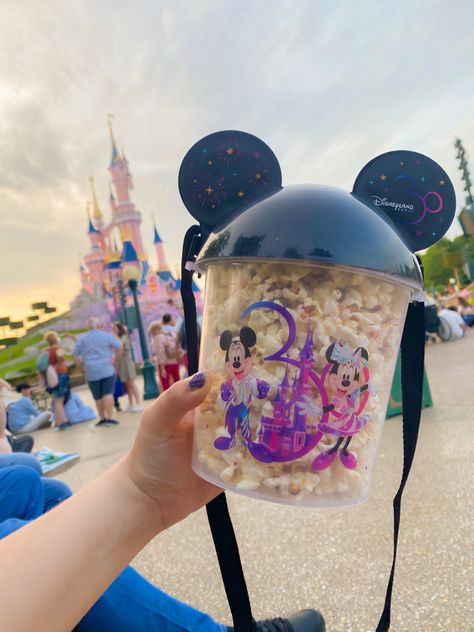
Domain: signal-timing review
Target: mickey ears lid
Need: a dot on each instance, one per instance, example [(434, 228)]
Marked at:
[(226, 172), (413, 191)]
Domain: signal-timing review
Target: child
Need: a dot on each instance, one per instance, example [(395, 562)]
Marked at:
[(23, 416)]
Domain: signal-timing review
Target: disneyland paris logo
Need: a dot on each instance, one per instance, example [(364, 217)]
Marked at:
[(397, 206)]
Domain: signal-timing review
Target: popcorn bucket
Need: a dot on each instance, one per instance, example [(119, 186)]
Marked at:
[(308, 290), (303, 357)]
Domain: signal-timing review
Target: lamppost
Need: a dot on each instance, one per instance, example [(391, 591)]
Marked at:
[(132, 275)]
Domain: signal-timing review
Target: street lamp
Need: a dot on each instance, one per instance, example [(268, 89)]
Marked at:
[(132, 275)]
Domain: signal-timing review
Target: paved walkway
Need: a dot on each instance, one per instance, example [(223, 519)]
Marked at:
[(337, 561)]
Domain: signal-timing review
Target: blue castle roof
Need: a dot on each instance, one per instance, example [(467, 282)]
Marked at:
[(156, 238), (92, 228), (129, 254), (112, 265)]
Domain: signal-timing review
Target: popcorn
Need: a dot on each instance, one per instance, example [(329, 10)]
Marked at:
[(244, 429)]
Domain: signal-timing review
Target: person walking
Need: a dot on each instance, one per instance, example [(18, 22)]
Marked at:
[(99, 352), (23, 416), (165, 346), (61, 390), (127, 371)]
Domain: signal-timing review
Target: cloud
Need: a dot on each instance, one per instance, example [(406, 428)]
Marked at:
[(327, 86)]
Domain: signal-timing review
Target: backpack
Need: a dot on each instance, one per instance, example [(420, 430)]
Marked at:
[(42, 362), (169, 344), (48, 371)]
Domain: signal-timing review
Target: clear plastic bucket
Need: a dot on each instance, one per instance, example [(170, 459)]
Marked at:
[(302, 357)]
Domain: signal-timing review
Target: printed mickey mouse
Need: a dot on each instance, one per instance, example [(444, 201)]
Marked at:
[(236, 393)]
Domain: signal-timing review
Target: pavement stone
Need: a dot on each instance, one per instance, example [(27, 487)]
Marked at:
[(335, 560)]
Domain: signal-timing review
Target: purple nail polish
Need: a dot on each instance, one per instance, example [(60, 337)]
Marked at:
[(197, 381)]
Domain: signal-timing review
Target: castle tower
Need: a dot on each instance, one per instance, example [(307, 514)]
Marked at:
[(95, 259), (306, 361), (304, 386), (125, 214), (278, 408), (160, 253), (96, 212), (85, 281), (113, 206), (97, 216), (285, 387)]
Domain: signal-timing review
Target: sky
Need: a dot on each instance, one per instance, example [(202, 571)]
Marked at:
[(328, 85)]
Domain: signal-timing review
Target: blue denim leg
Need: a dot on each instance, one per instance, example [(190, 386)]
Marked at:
[(132, 603), (21, 493), (11, 525), (54, 492), (20, 458)]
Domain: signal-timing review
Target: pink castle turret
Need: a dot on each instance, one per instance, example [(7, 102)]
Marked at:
[(160, 253), (95, 260), (126, 217)]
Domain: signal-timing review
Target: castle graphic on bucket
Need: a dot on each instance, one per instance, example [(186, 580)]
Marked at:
[(298, 421)]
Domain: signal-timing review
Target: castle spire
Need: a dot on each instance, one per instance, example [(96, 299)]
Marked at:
[(156, 237), (160, 253), (115, 156), (285, 379), (96, 212), (307, 350), (92, 229)]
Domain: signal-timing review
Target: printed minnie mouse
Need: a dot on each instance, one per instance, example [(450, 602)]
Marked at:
[(236, 393), (347, 403)]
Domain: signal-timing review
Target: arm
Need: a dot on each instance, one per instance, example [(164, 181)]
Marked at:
[(31, 408), (5, 446), (154, 482), (77, 355), (118, 353), (4, 384)]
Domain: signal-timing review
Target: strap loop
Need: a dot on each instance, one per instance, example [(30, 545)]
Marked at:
[(413, 361)]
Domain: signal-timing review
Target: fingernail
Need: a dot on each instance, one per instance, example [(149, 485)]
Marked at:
[(197, 381)]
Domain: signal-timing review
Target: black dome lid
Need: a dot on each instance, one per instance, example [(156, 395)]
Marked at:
[(314, 223)]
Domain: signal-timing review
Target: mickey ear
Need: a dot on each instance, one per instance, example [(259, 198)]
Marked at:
[(224, 172), (413, 191)]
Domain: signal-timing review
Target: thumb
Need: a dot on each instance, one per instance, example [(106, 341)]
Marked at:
[(172, 405)]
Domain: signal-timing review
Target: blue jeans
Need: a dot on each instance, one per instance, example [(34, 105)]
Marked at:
[(130, 602), (51, 492)]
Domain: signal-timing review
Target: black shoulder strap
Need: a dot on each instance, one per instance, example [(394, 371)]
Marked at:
[(413, 351), (217, 511), (413, 360)]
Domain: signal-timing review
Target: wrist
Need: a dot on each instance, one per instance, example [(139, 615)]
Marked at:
[(142, 508)]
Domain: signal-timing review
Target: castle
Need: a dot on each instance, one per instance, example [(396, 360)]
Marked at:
[(117, 244), (286, 432)]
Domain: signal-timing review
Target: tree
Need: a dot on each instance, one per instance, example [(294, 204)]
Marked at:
[(437, 273)]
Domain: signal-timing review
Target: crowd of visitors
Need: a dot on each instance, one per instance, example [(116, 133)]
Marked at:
[(447, 322)]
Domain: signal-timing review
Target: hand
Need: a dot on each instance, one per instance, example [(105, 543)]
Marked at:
[(309, 407), (163, 372), (159, 463)]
